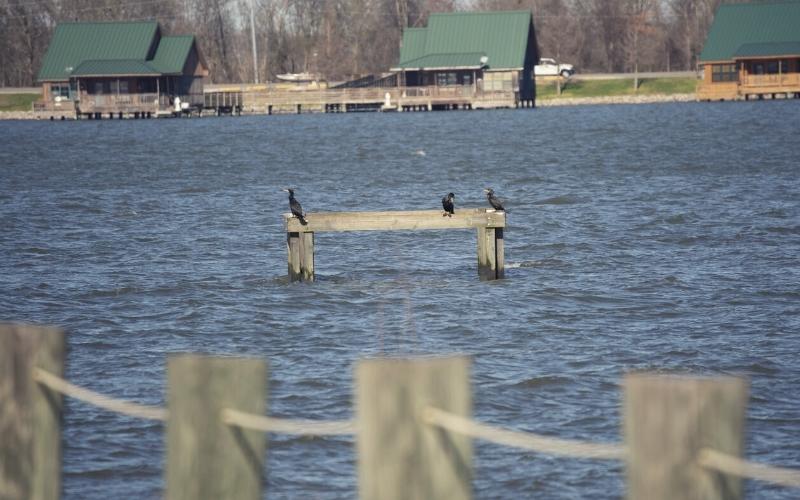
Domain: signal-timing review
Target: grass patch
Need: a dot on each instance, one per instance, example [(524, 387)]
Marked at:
[(17, 102), (620, 87)]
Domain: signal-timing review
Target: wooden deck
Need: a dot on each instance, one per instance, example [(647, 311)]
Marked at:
[(269, 100), (142, 105), (785, 85)]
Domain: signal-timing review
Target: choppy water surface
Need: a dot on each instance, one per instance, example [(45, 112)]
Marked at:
[(650, 237)]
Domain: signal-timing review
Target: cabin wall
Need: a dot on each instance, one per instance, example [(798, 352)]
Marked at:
[(500, 80), (114, 85), (727, 80)]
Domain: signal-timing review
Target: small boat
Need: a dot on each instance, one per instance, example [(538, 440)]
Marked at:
[(297, 77)]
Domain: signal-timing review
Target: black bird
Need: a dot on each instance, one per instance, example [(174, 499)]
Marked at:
[(447, 204), (295, 207), (493, 201)]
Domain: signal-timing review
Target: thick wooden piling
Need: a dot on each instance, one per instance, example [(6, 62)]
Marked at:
[(491, 259), (668, 420), (206, 458), (489, 225), (30, 414), (300, 248), (399, 456)]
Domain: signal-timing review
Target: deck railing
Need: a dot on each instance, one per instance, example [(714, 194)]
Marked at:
[(788, 79), (55, 106), (121, 102), (396, 95)]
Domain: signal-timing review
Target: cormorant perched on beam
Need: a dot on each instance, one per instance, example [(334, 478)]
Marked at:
[(447, 204), (295, 207), (493, 201)]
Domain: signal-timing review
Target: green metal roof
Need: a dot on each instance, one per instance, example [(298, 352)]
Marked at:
[(172, 53), (501, 36), (451, 61), (413, 44), (736, 25), (115, 67), (74, 43), (775, 49)]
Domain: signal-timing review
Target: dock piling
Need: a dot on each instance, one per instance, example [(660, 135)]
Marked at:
[(300, 248)]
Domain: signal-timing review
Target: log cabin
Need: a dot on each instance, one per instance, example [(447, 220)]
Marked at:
[(486, 55), (752, 51), (120, 68)]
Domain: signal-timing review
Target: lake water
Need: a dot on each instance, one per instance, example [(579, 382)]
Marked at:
[(657, 237)]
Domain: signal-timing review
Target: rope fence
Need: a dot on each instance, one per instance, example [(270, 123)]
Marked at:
[(212, 399), (60, 385), (286, 426), (708, 458), (735, 466), (524, 440)]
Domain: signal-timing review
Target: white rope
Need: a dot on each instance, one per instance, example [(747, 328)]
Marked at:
[(286, 426), (736, 466), (58, 384), (526, 440)]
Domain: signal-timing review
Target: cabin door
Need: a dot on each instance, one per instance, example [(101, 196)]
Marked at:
[(99, 98)]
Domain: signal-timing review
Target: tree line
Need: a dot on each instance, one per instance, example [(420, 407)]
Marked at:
[(343, 39)]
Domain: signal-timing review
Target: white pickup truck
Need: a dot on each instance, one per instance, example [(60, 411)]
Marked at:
[(549, 67)]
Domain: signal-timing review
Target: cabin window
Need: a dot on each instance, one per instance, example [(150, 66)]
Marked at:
[(123, 87), (59, 90), (772, 68), (498, 81), (467, 80), (444, 79), (724, 73)]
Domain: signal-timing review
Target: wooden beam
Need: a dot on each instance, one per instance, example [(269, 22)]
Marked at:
[(667, 421), (206, 458), (30, 415), (399, 456), (465, 218)]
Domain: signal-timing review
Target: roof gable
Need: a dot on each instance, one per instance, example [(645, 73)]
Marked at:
[(768, 24), (74, 43), (172, 53), (502, 36)]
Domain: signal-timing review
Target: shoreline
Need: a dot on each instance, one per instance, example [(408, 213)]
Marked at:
[(543, 103)]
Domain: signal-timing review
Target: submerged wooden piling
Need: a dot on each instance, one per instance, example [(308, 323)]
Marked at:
[(300, 247), (488, 223)]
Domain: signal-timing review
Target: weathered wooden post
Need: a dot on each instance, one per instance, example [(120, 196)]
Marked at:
[(491, 250), (668, 419), (399, 456), (30, 414), (206, 458), (300, 247)]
